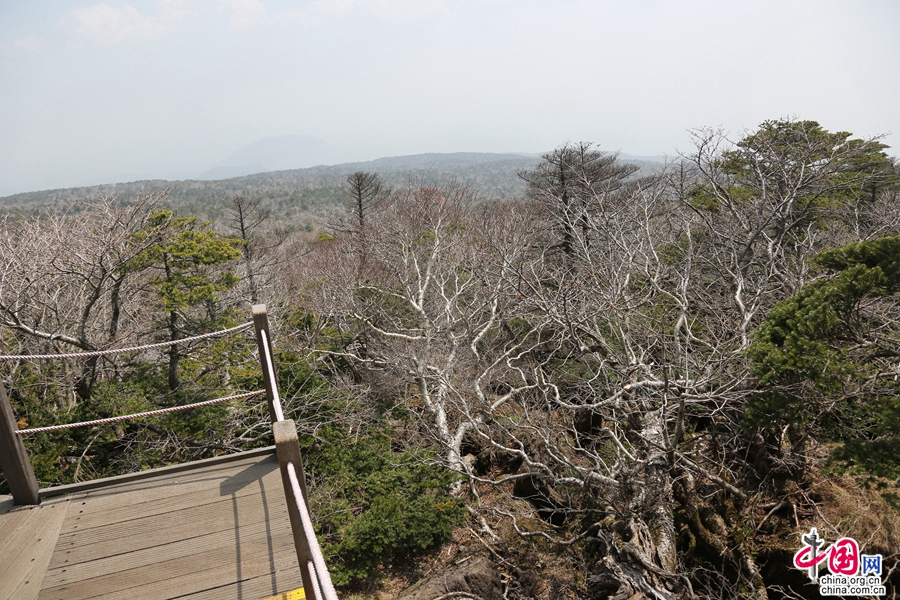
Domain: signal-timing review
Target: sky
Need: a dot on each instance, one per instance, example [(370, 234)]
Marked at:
[(120, 91)]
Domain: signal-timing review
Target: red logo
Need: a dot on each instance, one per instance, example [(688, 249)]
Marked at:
[(842, 556), (844, 559)]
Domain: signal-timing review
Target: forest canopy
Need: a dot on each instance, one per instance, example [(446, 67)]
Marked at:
[(636, 383)]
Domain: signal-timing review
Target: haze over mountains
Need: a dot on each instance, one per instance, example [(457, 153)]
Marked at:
[(302, 151), (292, 152), (302, 174), (277, 154), (287, 173), (492, 174)]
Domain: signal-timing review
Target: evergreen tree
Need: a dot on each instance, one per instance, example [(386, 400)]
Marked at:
[(188, 275), (569, 180), (828, 355)]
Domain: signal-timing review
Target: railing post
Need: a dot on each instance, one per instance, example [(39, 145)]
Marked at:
[(264, 344), (14, 458), (287, 447)]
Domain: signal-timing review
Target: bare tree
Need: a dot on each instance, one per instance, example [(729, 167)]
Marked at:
[(67, 281), (608, 439), (584, 349), (500, 348), (364, 193), (428, 307), (248, 219), (762, 202), (113, 273)]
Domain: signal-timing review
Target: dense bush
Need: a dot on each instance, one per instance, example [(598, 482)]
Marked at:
[(374, 506)]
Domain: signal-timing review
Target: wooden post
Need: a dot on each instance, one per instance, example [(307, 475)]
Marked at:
[(264, 343), (287, 447), (13, 457)]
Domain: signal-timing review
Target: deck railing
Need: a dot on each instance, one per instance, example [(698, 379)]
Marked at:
[(14, 459), (316, 579), (24, 487)]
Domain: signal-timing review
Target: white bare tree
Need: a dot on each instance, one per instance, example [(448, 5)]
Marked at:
[(65, 283), (762, 202), (424, 291)]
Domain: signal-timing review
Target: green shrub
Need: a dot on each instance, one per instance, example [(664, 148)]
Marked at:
[(374, 506)]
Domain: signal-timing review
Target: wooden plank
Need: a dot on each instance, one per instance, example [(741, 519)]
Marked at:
[(160, 530), (220, 531), (211, 482), (22, 571), (200, 515), (181, 478), (209, 584), (14, 459), (137, 499), (74, 551), (9, 523), (222, 547), (255, 588), (298, 594), (187, 567), (6, 504), (152, 473), (189, 585), (115, 505), (163, 544), (17, 525)]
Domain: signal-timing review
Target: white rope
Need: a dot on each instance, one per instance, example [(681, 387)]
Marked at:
[(276, 399), (151, 413), (317, 589), (120, 350), (323, 577)]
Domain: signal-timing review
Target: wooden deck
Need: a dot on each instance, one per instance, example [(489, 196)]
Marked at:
[(218, 530)]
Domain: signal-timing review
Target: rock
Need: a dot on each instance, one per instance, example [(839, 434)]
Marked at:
[(476, 576), (529, 582)]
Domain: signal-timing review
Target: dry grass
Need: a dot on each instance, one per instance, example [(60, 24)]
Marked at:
[(849, 509)]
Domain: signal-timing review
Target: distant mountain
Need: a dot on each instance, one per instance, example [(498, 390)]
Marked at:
[(644, 159), (299, 195), (488, 172), (275, 154), (230, 172)]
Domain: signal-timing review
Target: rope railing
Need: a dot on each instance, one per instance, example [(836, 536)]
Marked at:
[(121, 350), (24, 486), (317, 589), (270, 373), (14, 460), (323, 588), (149, 413), (316, 578)]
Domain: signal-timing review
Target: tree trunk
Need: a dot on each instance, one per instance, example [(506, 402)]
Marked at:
[(173, 352)]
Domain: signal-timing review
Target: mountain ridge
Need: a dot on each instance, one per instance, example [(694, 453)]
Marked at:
[(429, 164), (444, 162), (303, 197)]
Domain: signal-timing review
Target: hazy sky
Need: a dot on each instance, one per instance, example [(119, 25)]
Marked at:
[(116, 91)]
